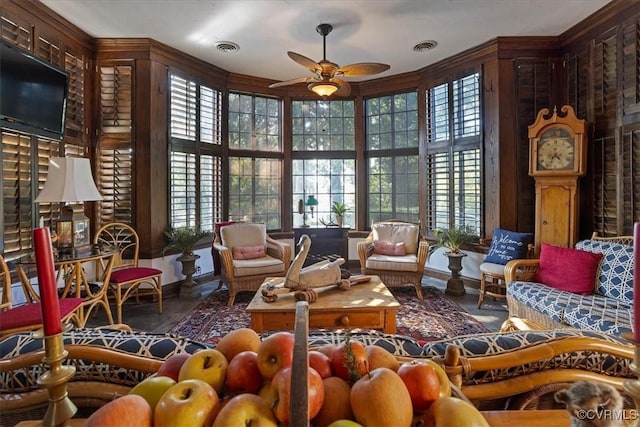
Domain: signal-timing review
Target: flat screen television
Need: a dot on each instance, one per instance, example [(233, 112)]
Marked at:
[(33, 93)]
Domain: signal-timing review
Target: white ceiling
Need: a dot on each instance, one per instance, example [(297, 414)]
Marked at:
[(364, 30)]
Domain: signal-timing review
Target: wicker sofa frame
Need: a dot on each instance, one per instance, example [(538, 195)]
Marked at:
[(525, 270), (518, 370)]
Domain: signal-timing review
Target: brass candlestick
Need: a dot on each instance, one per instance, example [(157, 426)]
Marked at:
[(632, 387), (61, 408)]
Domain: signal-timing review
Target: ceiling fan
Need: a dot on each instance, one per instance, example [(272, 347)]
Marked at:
[(326, 79)]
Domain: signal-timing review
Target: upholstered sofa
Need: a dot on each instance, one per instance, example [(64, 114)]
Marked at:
[(513, 370), (605, 307)]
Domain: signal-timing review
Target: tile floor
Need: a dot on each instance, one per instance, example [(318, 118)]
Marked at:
[(145, 316)]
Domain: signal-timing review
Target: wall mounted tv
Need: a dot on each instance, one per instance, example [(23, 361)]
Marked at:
[(33, 93)]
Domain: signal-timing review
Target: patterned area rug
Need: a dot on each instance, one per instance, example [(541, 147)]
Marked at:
[(435, 317)]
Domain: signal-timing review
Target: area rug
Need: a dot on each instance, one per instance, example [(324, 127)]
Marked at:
[(435, 317)]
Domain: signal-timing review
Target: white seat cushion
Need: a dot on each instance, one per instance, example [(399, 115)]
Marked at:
[(493, 269), (395, 263), (251, 267)]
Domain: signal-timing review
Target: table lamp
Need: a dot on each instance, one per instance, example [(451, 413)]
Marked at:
[(312, 202), (69, 179)]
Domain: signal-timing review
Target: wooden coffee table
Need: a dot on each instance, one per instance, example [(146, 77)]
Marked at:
[(367, 305)]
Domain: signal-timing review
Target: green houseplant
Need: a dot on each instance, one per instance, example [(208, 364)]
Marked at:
[(184, 240), (453, 238), (339, 209)]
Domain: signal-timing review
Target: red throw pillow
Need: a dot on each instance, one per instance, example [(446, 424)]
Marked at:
[(568, 269), (387, 248), (248, 252)]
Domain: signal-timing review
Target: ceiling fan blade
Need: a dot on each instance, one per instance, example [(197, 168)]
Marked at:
[(362, 69), (310, 64), (292, 82), (345, 87)]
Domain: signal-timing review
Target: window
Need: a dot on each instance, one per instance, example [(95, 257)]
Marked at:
[(255, 161), (453, 154), (195, 169), (393, 161), (323, 160)]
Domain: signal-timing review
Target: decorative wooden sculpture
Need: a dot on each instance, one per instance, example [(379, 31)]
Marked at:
[(558, 157), (308, 282)]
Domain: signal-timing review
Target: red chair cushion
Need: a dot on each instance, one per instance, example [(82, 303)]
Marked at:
[(31, 314), (125, 275)]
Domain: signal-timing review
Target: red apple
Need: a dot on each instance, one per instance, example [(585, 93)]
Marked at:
[(208, 365), (172, 364), (275, 352), (349, 361), (321, 363), (238, 340), (152, 388), (189, 403), (282, 384), (422, 382), (246, 410), (380, 399), (243, 375), (337, 403), (130, 410)]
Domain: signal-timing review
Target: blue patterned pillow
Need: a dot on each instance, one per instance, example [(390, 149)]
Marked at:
[(507, 245), (615, 273)]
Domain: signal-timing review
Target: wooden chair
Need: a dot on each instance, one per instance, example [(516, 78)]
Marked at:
[(492, 274), (28, 317), (404, 267), (127, 278), (246, 273)]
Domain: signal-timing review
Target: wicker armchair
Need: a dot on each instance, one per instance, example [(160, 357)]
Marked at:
[(402, 265), (244, 268)]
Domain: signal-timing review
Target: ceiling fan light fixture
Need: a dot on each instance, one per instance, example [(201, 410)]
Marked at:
[(323, 89)]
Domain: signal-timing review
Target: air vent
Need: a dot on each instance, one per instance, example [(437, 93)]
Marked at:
[(227, 47), (425, 45)]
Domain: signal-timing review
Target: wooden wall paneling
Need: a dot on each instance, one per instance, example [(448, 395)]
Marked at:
[(492, 152), (151, 156)]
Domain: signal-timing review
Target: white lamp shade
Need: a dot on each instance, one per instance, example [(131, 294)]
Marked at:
[(69, 179)]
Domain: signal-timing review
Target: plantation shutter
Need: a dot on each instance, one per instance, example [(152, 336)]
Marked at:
[(114, 168), (16, 190), (604, 157), (16, 33), (74, 121)]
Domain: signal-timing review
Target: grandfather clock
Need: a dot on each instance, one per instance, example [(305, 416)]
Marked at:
[(557, 159)]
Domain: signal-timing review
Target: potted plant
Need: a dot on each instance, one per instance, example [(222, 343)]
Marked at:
[(184, 240), (339, 209), (453, 238)]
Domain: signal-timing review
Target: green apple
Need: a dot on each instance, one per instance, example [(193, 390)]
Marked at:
[(189, 403), (152, 388), (246, 409), (208, 365)]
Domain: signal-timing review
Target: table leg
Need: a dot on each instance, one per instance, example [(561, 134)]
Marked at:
[(389, 322)]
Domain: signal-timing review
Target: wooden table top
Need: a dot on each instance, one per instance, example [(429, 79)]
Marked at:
[(362, 296)]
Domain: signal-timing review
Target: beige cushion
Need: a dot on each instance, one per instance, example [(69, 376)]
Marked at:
[(491, 268), (244, 234), (250, 267), (396, 232), (395, 263)]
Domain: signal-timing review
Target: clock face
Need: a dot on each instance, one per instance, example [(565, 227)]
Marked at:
[(556, 150)]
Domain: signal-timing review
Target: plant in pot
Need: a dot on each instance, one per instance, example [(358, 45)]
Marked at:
[(184, 240), (453, 238), (339, 209)]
